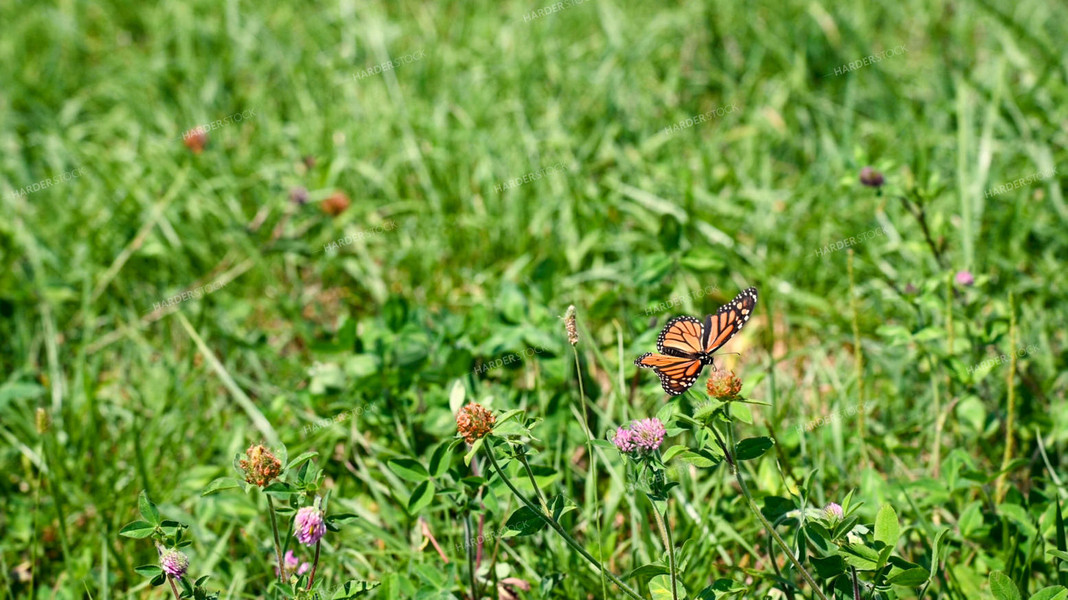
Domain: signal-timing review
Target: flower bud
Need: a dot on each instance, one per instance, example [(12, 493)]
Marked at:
[(174, 562), (871, 178), (833, 512)]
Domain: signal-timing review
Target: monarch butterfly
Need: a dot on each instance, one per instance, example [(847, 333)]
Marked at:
[(686, 344)]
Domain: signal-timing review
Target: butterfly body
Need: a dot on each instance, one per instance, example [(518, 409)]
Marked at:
[(686, 345)]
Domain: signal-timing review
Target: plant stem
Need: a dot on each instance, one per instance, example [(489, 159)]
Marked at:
[(522, 455), (174, 588), (759, 515), (470, 555), (858, 359), (1010, 418), (559, 529), (665, 535), (277, 540), (592, 483), (315, 563)]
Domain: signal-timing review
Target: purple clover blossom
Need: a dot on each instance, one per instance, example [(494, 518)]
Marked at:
[(644, 436), (965, 278), (291, 565), (624, 440), (833, 512), (174, 562), (309, 525), (648, 433)]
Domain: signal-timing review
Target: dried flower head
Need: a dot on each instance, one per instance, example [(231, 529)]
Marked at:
[(336, 204), (871, 178), (474, 422), (308, 525), (260, 466), (643, 436), (569, 323), (195, 139), (174, 562), (724, 385), (833, 512), (965, 278), (309, 161), (42, 420)]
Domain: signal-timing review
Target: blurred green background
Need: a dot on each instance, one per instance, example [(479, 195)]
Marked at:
[(450, 266)]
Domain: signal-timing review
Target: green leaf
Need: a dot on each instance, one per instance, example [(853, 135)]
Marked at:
[(409, 469), (220, 484), (909, 577), (887, 528), (525, 521), (474, 450), (159, 579), (646, 572), (296, 462), (751, 448), (829, 567), (861, 557), (560, 506), (660, 588), (456, 396), (673, 451), (1053, 592), (421, 497), (703, 459), (138, 530), (1002, 587), (148, 509), (354, 588), (148, 570), (439, 461), (280, 490)]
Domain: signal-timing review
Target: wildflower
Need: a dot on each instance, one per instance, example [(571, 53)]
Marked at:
[(833, 512), (335, 204), (724, 385), (174, 563), (624, 440), (965, 278), (293, 566), (298, 196), (648, 434), (309, 161), (474, 422), (644, 436), (910, 289), (260, 466), (569, 323), (308, 525), (871, 178), (195, 139)]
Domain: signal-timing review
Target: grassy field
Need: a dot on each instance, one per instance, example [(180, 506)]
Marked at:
[(394, 207)]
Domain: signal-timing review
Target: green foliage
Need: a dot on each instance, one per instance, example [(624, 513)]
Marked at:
[(356, 356)]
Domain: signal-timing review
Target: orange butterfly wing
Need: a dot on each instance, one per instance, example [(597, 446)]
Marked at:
[(728, 320), (681, 335), (676, 373)]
